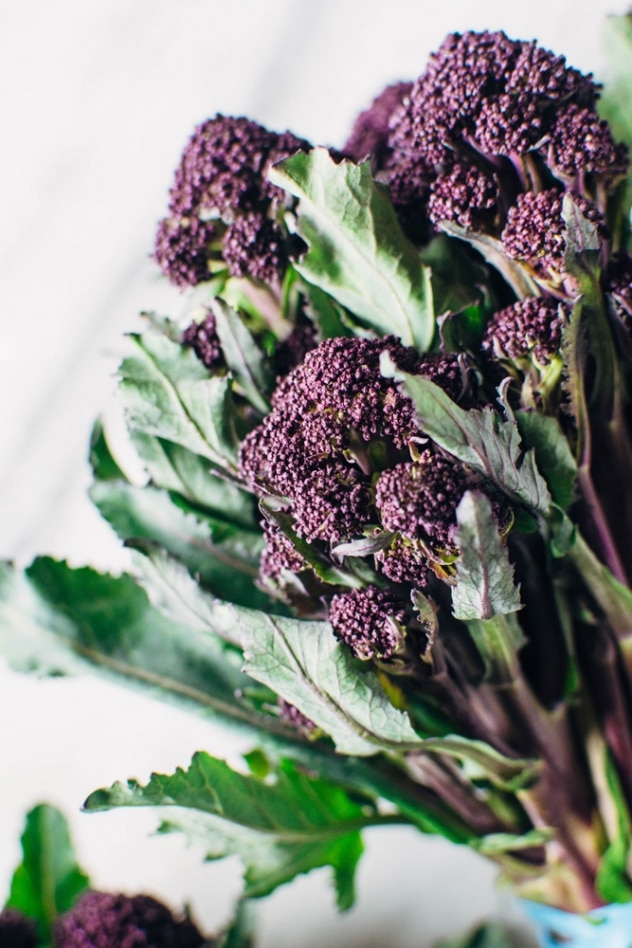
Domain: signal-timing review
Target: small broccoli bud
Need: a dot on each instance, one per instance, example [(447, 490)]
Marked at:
[(404, 561), (181, 249), (203, 339), (369, 136), (466, 195), (534, 232), (532, 327), (369, 621), (16, 930), (580, 142), (103, 920), (419, 500)]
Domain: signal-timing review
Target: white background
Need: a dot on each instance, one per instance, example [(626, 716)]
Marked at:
[(97, 100)]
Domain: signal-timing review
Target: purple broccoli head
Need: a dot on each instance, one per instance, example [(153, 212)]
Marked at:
[(104, 920), (370, 133), (370, 621), (532, 328), (203, 339), (221, 189)]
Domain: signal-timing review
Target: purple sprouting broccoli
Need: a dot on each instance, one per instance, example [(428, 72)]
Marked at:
[(16, 930), (599, 153), (490, 120), (335, 450), (531, 328), (203, 339), (418, 499), (104, 920), (222, 202), (370, 133), (182, 249), (370, 621), (535, 230)]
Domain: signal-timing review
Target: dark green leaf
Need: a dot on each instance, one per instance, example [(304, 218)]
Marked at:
[(553, 455), (103, 465), (48, 880), (279, 827), (224, 556), (456, 277), (613, 877), (485, 582), (326, 314), (166, 392), (479, 438), (358, 253)]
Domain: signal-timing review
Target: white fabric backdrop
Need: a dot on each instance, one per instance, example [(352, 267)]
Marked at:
[(97, 101)]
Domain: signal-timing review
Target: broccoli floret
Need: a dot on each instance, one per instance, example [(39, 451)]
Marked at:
[(221, 194), (370, 621), (104, 920)]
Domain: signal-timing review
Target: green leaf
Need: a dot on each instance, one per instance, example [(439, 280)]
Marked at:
[(304, 663), (491, 249), (102, 462), (166, 392), (479, 438), (485, 582), (177, 469), (455, 275), (496, 843), (358, 253), (245, 360), (327, 315), (279, 827), (57, 620), (613, 876), (553, 455), (241, 931), (48, 880), (615, 103), (224, 556)]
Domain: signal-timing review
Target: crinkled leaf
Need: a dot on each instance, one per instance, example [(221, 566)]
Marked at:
[(303, 662), (103, 464), (479, 438), (485, 582), (58, 620), (48, 880), (553, 455), (224, 556), (166, 392), (248, 364), (279, 827), (358, 253)]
